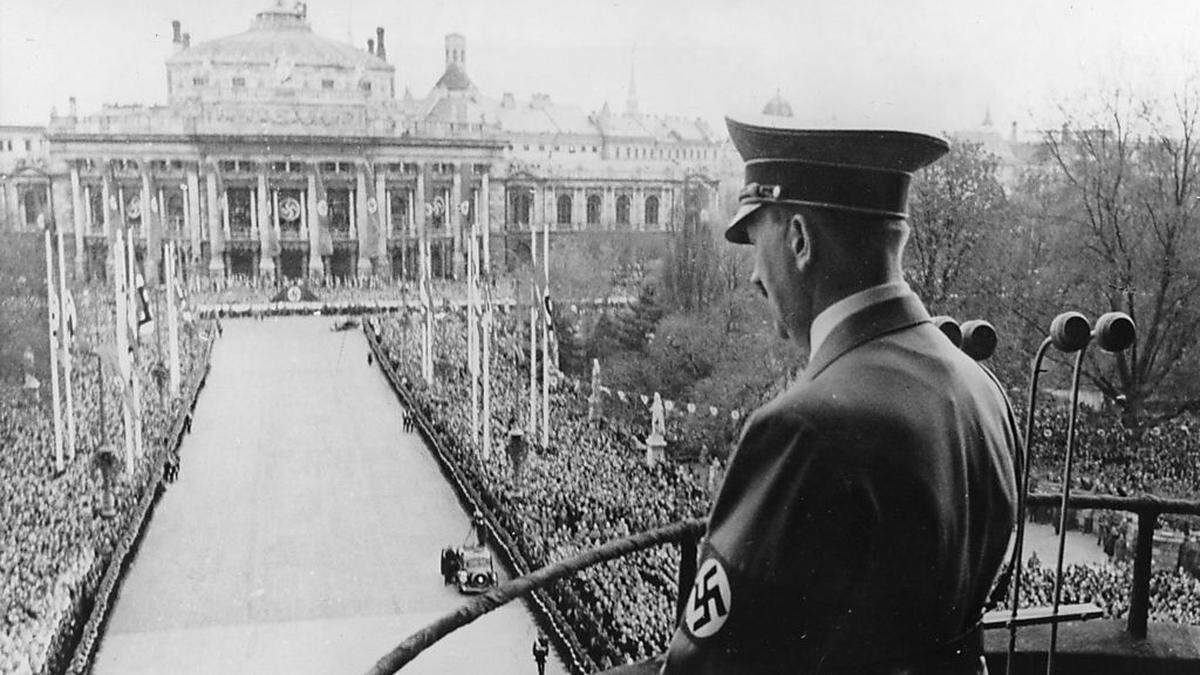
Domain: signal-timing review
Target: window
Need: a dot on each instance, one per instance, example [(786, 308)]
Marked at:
[(365, 85), (327, 84), (237, 202), (28, 145), (338, 200), (623, 210), (564, 209), (399, 207), (521, 204), (239, 81), (593, 210), (199, 81), (652, 210)]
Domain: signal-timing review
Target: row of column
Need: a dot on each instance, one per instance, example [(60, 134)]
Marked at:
[(370, 218), (545, 205)]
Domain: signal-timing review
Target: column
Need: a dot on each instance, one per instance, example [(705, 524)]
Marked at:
[(362, 216), (485, 221), (262, 220), (106, 196), (191, 212), (383, 216), (79, 217), (455, 220), (316, 266), (637, 209), (419, 201), (216, 224), (578, 209), (539, 208), (608, 210)]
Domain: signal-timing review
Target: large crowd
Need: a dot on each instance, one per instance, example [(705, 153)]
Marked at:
[(591, 484), (54, 541)]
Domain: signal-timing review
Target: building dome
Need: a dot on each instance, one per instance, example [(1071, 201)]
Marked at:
[(778, 107), (279, 34)]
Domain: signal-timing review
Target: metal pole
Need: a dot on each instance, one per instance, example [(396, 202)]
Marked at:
[(533, 418), (51, 320), (546, 335), (62, 320), (1062, 515)]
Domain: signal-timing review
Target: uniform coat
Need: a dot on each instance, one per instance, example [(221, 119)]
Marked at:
[(865, 514)]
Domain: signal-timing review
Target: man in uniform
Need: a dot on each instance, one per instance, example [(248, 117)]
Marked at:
[(866, 512)]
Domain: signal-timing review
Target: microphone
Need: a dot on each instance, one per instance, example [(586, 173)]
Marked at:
[(979, 339), (949, 328), (1115, 332)]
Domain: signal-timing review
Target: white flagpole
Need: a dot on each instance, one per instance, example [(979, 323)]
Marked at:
[(487, 379), (134, 380), (66, 346), (545, 336), (172, 320), (473, 337), (122, 337), (533, 357), (52, 313)]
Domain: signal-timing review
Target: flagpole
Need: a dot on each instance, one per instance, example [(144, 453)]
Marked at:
[(472, 338), (546, 335), (135, 344), (533, 357), (173, 320), (66, 343), (51, 322), (122, 337), (487, 378)]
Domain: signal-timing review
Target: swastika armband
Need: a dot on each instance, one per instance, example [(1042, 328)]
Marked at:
[(709, 603)]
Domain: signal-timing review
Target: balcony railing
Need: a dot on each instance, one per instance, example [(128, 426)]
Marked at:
[(687, 534)]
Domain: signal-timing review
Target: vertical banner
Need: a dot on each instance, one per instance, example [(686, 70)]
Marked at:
[(138, 314), (151, 227), (324, 238), (368, 246)]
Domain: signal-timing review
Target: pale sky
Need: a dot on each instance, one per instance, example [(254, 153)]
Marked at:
[(933, 64)]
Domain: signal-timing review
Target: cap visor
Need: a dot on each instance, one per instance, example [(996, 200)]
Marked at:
[(736, 232)]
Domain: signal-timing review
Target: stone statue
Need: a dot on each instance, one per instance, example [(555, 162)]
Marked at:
[(658, 426)]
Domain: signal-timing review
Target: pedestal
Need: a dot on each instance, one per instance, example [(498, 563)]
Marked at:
[(656, 449)]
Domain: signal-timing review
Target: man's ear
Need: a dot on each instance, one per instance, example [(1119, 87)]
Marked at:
[(801, 239)]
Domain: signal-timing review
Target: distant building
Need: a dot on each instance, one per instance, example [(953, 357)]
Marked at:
[(281, 152)]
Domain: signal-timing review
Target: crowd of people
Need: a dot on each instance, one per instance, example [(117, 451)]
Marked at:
[(240, 289), (56, 542), (591, 484)]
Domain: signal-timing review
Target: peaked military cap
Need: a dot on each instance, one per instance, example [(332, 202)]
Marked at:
[(857, 170)]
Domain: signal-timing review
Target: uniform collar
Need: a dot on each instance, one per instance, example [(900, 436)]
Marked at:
[(839, 311), (869, 322)]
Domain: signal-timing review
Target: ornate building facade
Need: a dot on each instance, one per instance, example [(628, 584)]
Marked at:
[(283, 153)]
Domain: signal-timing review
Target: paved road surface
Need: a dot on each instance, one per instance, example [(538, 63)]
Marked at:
[(304, 531)]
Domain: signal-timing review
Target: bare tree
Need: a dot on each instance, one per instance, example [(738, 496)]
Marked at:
[(957, 204), (1127, 181)]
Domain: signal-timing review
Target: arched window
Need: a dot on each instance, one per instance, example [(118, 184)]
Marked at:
[(652, 210), (564, 209), (623, 210), (593, 210), (522, 205)]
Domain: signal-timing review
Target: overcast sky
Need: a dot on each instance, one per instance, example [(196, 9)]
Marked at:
[(935, 64)]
